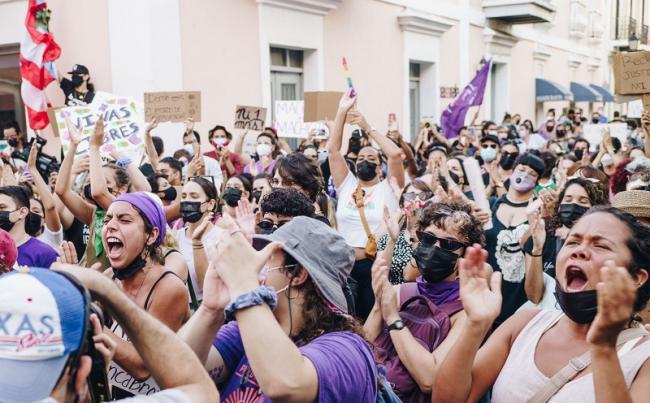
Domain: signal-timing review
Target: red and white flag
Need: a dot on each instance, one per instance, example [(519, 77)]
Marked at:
[(38, 51)]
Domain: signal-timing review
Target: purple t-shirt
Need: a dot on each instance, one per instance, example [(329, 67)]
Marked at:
[(344, 363), (36, 253)]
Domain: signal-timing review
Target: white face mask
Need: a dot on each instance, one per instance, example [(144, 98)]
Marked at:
[(263, 150), (189, 148), (220, 141)]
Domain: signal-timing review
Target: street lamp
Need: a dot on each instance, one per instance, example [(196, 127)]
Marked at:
[(633, 42)]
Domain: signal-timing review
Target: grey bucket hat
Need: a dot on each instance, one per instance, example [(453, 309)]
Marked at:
[(321, 251)]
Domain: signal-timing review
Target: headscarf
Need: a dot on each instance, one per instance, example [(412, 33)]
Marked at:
[(149, 208)]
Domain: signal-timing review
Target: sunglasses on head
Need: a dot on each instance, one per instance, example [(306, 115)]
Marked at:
[(410, 196), (492, 145), (268, 225), (429, 239)]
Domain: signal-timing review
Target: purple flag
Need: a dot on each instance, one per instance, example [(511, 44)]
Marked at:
[(453, 118)]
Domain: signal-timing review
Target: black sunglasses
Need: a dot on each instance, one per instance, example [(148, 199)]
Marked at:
[(268, 225), (429, 239), (492, 145)]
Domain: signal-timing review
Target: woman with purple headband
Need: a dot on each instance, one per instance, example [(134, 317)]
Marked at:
[(134, 228)]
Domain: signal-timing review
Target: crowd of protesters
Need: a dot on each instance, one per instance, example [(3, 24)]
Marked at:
[(356, 268)]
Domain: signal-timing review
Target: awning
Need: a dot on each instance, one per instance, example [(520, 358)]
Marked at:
[(546, 90), (582, 93), (604, 92)]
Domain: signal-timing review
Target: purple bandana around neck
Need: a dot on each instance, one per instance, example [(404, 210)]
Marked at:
[(439, 293)]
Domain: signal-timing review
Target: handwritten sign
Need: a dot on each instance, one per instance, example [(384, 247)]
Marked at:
[(594, 133), (123, 125), (632, 73), (321, 105), (289, 120), (172, 106), (250, 118)]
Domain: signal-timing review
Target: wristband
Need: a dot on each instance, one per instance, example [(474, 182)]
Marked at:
[(258, 296), (534, 255), (123, 162)]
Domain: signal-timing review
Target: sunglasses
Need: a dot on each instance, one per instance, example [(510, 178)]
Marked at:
[(410, 196), (268, 225), (429, 239), (489, 145)]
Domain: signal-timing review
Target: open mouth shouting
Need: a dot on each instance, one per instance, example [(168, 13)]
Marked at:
[(115, 247), (576, 279)]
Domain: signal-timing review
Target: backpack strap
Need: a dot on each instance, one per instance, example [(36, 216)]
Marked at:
[(406, 291), (575, 366)]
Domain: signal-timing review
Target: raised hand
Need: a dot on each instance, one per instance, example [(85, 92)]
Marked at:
[(75, 133), (480, 290), (245, 217), (356, 118), (97, 138), (67, 253), (199, 231), (103, 342), (392, 223), (189, 125), (538, 231), (152, 125), (347, 102), (33, 153), (215, 292), (616, 295), (81, 164)]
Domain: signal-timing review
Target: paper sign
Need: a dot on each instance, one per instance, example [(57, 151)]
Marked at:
[(250, 118), (289, 120), (172, 106), (632, 73), (594, 133), (321, 105), (123, 128), (634, 108), (392, 122)]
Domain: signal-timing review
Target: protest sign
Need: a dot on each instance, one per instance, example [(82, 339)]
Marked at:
[(250, 118), (392, 122), (594, 133), (321, 105), (289, 120), (172, 106), (123, 129), (634, 108), (632, 73)]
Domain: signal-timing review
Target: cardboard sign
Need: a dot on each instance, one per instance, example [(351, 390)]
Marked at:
[(594, 133), (289, 120), (172, 106), (321, 105), (123, 125), (632, 73), (250, 118)]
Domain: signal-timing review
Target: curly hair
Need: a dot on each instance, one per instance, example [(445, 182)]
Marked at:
[(121, 177), (300, 170), (447, 215), (597, 197), (318, 318), (287, 202), (589, 171)]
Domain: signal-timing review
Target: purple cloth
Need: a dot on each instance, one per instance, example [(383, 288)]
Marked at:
[(259, 169), (150, 208), (344, 364), (441, 292), (36, 253), (453, 118)]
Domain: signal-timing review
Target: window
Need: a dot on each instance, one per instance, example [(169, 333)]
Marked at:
[(286, 79), (414, 97)]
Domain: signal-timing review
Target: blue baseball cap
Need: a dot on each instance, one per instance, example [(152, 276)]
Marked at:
[(42, 323)]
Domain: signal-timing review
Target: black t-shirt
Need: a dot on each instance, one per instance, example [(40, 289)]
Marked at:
[(78, 234), (72, 97), (552, 246), (506, 255)]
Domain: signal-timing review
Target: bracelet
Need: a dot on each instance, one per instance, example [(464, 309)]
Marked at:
[(534, 255), (198, 247), (258, 296), (123, 162)]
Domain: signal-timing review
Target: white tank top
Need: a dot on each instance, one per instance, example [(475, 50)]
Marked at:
[(520, 378)]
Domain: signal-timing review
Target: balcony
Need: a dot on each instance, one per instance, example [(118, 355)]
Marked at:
[(623, 28), (519, 11), (643, 34)]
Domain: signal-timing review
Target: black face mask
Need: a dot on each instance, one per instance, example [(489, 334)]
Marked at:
[(135, 266), (5, 222), (507, 161), (579, 153), (354, 145), (169, 194), (455, 178), (570, 213), (33, 224), (13, 142), (231, 196), (77, 80), (434, 263), (549, 128), (595, 120), (191, 211), (559, 133), (581, 307), (257, 195), (366, 170)]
